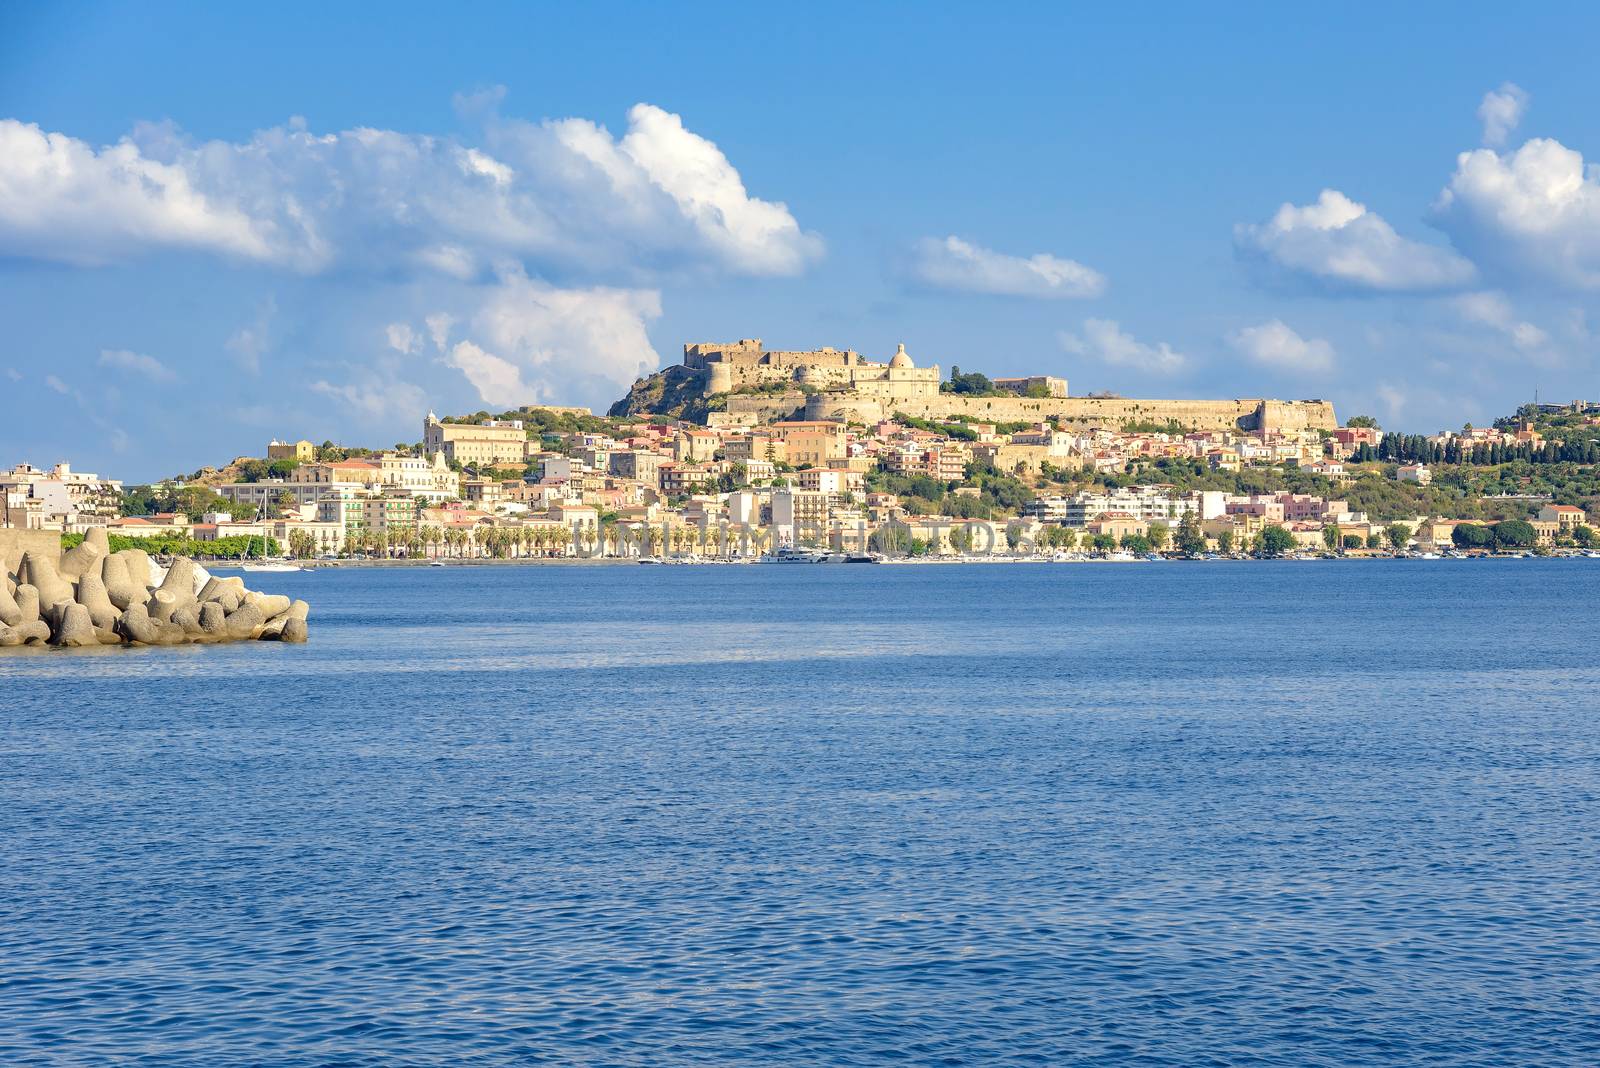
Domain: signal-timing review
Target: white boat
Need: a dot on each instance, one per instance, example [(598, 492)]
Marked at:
[(264, 564), (790, 555)]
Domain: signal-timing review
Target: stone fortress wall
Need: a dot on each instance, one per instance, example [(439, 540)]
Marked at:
[(746, 364), (1109, 412), (840, 385)]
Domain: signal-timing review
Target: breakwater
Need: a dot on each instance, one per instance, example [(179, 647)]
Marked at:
[(89, 596)]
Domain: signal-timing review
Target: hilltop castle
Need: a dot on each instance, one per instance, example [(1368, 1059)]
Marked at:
[(760, 385), (746, 364)]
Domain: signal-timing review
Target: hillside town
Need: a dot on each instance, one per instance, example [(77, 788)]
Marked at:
[(561, 483)]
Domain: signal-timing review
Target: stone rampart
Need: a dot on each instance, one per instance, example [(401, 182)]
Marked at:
[(1109, 412)]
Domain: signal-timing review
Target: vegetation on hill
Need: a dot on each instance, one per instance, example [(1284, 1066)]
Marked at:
[(998, 495), (537, 421), (232, 547), (978, 384), (677, 391), (957, 430), (192, 500)]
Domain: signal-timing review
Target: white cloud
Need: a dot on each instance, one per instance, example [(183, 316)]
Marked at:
[(753, 235), (497, 381), (439, 325), (1494, 310), (1338, 244), (402, 338), (13, 374), (951, 263), (1104, 340), (1501, 111), (533, 341), (138, 363), (62, 200), (249, 343), (1533, 214), (1273, 344), (1393, 400), (564, 194), (378, 399), (59, 386)]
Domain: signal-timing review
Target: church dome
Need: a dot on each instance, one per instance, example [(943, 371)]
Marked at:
[(900, 358)]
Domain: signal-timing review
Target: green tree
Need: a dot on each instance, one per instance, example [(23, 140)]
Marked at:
[(1514, 534), (1398, 535), (1136, 543), (1330, 537), (1353, 541), (1374, 540), (1273, 541), (1159, 535), (1225, 540), (973, 383), (1191, 539), (1362, 421), (1584, 536), (1472, 536)]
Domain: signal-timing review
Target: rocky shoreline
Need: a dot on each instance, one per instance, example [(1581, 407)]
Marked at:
[(90, 596)]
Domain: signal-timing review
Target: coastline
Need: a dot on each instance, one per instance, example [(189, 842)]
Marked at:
[(926, 561)]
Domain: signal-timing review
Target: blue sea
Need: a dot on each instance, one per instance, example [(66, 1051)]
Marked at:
[(1333, 813)]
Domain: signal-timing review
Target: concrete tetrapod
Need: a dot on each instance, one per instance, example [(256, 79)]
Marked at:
[(93, 596), (213, 620), (33, 632), (80, 559), (90, 596), (245, 622), (138, 564), (120, 585), (73, 628), (270, 604), (28, 602), (137, 626), (10, 613), (277, 628), (96, 536), (40, 573)]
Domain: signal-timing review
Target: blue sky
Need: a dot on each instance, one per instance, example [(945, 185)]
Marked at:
[(219, 225)]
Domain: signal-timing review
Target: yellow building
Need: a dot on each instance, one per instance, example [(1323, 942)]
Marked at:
[(302, 451), (812, 443), (496, 443)]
